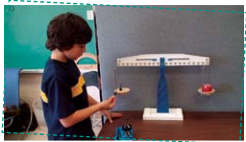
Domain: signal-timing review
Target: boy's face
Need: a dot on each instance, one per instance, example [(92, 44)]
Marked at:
[(75, 52)]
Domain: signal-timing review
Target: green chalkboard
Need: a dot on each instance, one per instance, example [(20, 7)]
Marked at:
[(25, 29)]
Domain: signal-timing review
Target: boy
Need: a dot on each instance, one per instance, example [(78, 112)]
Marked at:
[(66, 104)]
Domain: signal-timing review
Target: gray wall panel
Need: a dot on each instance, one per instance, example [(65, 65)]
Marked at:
[(131, 31)]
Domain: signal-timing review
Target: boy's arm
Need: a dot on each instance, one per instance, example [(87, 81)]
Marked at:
[(82, 114), (109, 115), (104, 112), (79, 115)]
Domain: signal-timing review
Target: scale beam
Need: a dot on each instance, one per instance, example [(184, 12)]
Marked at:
[(159, 60), (170, 60)]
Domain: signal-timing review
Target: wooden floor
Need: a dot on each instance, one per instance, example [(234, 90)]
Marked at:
[(195, 126)]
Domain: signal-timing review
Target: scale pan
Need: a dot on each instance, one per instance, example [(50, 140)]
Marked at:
[(123, 91)]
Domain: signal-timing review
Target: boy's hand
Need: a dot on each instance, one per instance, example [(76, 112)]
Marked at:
[(111, 115), (109, 103)]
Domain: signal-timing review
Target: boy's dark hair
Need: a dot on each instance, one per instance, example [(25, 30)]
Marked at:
[(67, 29)]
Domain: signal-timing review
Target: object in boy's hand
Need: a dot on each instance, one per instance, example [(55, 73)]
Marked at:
[(124, 132)]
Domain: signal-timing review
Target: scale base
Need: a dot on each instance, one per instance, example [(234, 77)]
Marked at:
[(152, 114)]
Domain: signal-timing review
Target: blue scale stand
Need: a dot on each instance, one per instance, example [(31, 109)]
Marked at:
[(162, 112)]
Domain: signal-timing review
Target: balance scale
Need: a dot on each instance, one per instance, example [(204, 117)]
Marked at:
[(147, 60)]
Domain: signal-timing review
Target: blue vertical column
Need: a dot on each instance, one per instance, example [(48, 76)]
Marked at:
[(162, 102)]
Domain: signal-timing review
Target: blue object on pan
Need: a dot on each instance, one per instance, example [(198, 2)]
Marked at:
[(162, 99)]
